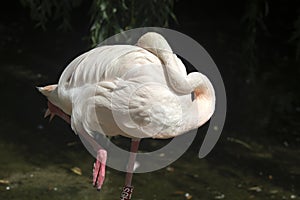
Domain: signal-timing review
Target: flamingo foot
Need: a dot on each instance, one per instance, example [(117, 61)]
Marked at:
[(54, 110), (99, 169)]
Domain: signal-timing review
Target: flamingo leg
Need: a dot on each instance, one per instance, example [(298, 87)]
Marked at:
[(128, 188), (100, 163), (133, 150)]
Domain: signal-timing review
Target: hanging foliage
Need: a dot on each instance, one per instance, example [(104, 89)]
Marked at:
[(108, 17)]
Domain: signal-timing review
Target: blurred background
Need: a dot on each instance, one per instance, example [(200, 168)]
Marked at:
[(255, 44)]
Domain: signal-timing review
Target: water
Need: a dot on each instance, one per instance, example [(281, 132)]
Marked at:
[(37, 157)]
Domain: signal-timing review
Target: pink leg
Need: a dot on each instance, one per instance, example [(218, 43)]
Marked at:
[(99, 165), (133, 150), (128, 188)]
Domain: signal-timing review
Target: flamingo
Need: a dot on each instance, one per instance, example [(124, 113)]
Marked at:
[(115, 79)]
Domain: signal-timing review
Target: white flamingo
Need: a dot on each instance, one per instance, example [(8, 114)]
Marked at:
[(115, 79)]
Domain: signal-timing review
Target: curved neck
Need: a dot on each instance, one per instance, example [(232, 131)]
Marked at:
[(176, 78), (180, 82)]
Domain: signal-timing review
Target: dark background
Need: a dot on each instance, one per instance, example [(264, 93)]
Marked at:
[(257, 155)]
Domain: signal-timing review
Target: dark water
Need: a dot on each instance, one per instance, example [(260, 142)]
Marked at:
[(36, 157)]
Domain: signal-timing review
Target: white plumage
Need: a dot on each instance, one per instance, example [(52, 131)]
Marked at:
[(127, 80), (137, 91)]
